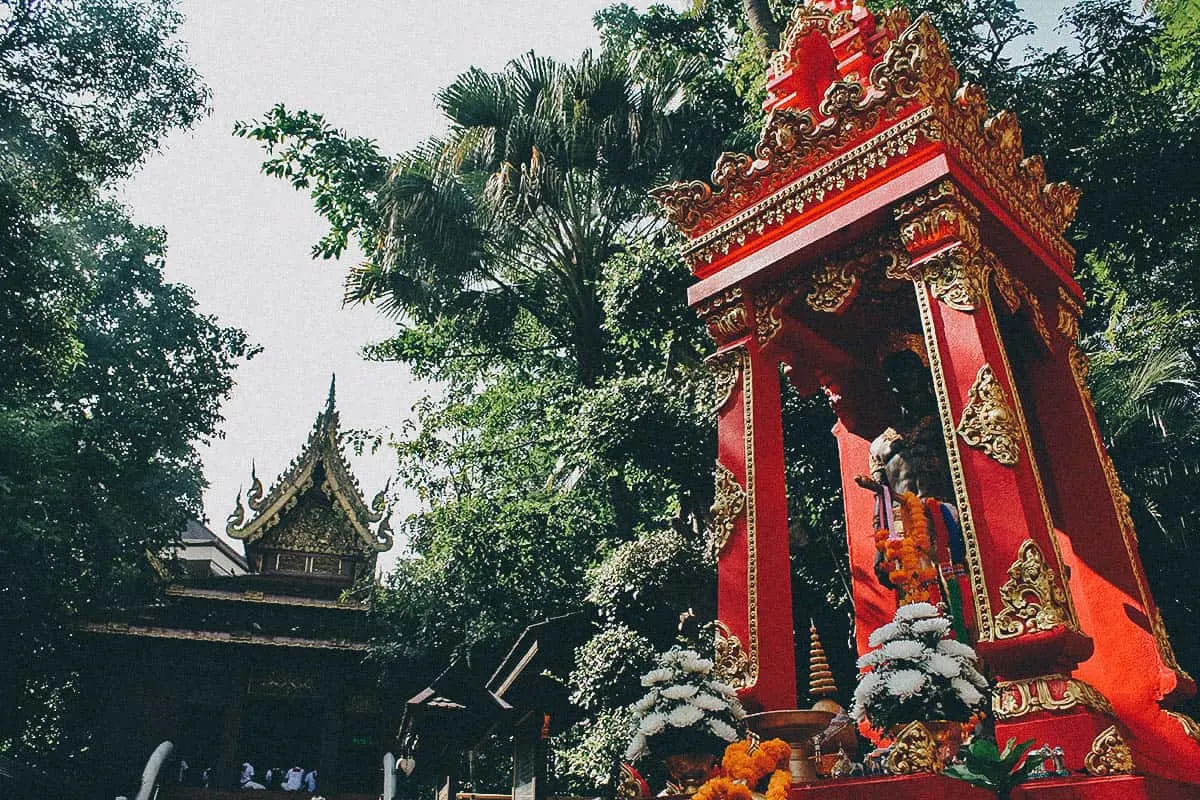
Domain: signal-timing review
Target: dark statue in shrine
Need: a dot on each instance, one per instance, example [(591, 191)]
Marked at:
[(917, 534), (910, 456)]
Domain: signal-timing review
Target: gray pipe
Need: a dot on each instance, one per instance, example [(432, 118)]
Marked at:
[(154, 766), (389, 776)]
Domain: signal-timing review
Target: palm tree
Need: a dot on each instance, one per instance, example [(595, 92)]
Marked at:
[(1143, 379), (542, 178)]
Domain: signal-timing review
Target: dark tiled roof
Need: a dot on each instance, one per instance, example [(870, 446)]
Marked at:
[(197, 532)]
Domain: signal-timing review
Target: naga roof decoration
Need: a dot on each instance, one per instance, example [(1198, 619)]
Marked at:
[(323, 448), (850, 93)]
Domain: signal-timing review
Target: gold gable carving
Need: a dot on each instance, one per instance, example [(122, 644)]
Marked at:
[(314, 526), (320, 459)]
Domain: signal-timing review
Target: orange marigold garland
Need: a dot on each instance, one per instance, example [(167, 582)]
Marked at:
[(781, 781), (913, 572), (744, 765)]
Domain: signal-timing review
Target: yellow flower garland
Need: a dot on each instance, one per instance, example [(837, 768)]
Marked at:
[(744, 765), (913, 574)]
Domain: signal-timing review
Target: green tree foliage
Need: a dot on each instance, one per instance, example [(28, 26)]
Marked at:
[(109, 377), (530, 278)]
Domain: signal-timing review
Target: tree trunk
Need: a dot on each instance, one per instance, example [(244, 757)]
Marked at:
[(762, 22)]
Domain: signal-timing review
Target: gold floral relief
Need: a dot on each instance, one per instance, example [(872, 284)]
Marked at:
[(769, 301), (1069, 313), (834, 287), (1033, 597), (725, 368), (1109, 754), (956, 277), (988, 421), (956, 219), (731, 664), (913, 750), (728, 504), (725, 315)]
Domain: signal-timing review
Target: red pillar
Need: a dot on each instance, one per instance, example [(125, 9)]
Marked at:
[(1027, 628), (756, 651)]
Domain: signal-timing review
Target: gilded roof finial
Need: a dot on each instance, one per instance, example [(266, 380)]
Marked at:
[(235, 520), (254, 497), (820, 678)]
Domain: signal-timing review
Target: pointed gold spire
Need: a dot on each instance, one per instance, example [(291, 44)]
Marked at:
[(820, 679)]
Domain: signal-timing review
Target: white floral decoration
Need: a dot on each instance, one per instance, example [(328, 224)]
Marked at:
[(684, 700), (914, 673), (679, 692), (685, 716), (657, 676)]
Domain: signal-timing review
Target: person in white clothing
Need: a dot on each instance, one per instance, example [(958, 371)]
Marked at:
[(310, 781), (246, 781), (294, 780)]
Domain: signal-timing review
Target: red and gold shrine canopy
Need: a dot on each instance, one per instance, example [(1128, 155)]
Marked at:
[(852, 95), (883, 203)]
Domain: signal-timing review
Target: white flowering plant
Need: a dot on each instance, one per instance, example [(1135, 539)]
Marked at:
[(685, 708), (915, 673)]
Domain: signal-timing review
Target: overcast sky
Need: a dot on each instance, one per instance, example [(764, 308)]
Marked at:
[(241, 240)]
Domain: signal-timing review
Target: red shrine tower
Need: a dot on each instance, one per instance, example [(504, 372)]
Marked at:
[(884, 203)]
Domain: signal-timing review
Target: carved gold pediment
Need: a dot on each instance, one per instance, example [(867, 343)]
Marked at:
[(320, 459)]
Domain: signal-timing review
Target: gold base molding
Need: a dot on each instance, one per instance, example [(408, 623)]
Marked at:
[(1055, 692)]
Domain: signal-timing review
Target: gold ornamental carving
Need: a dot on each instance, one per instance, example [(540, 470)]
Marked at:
[(956, 277), (913, 750), (1015, 294), (834, 287), (768, 308), (731, 664), (728, 504), (1033, 597), (1069, 313), (952, 217), (838, 281), (725, 315), (1109, 754), (988, 421), (725, 368), (1056, 692)]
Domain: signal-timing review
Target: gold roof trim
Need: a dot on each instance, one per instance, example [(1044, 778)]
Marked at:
[(323, 447)]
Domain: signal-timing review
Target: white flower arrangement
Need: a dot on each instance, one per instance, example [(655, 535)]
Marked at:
[(686, 708), (915, 674)]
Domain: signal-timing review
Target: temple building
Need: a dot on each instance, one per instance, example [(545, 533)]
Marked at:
[(255, 656)]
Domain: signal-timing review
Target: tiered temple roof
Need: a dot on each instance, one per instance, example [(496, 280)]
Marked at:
[(314, 518)]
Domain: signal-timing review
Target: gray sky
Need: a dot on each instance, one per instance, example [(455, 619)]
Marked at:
[(241, 240)]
